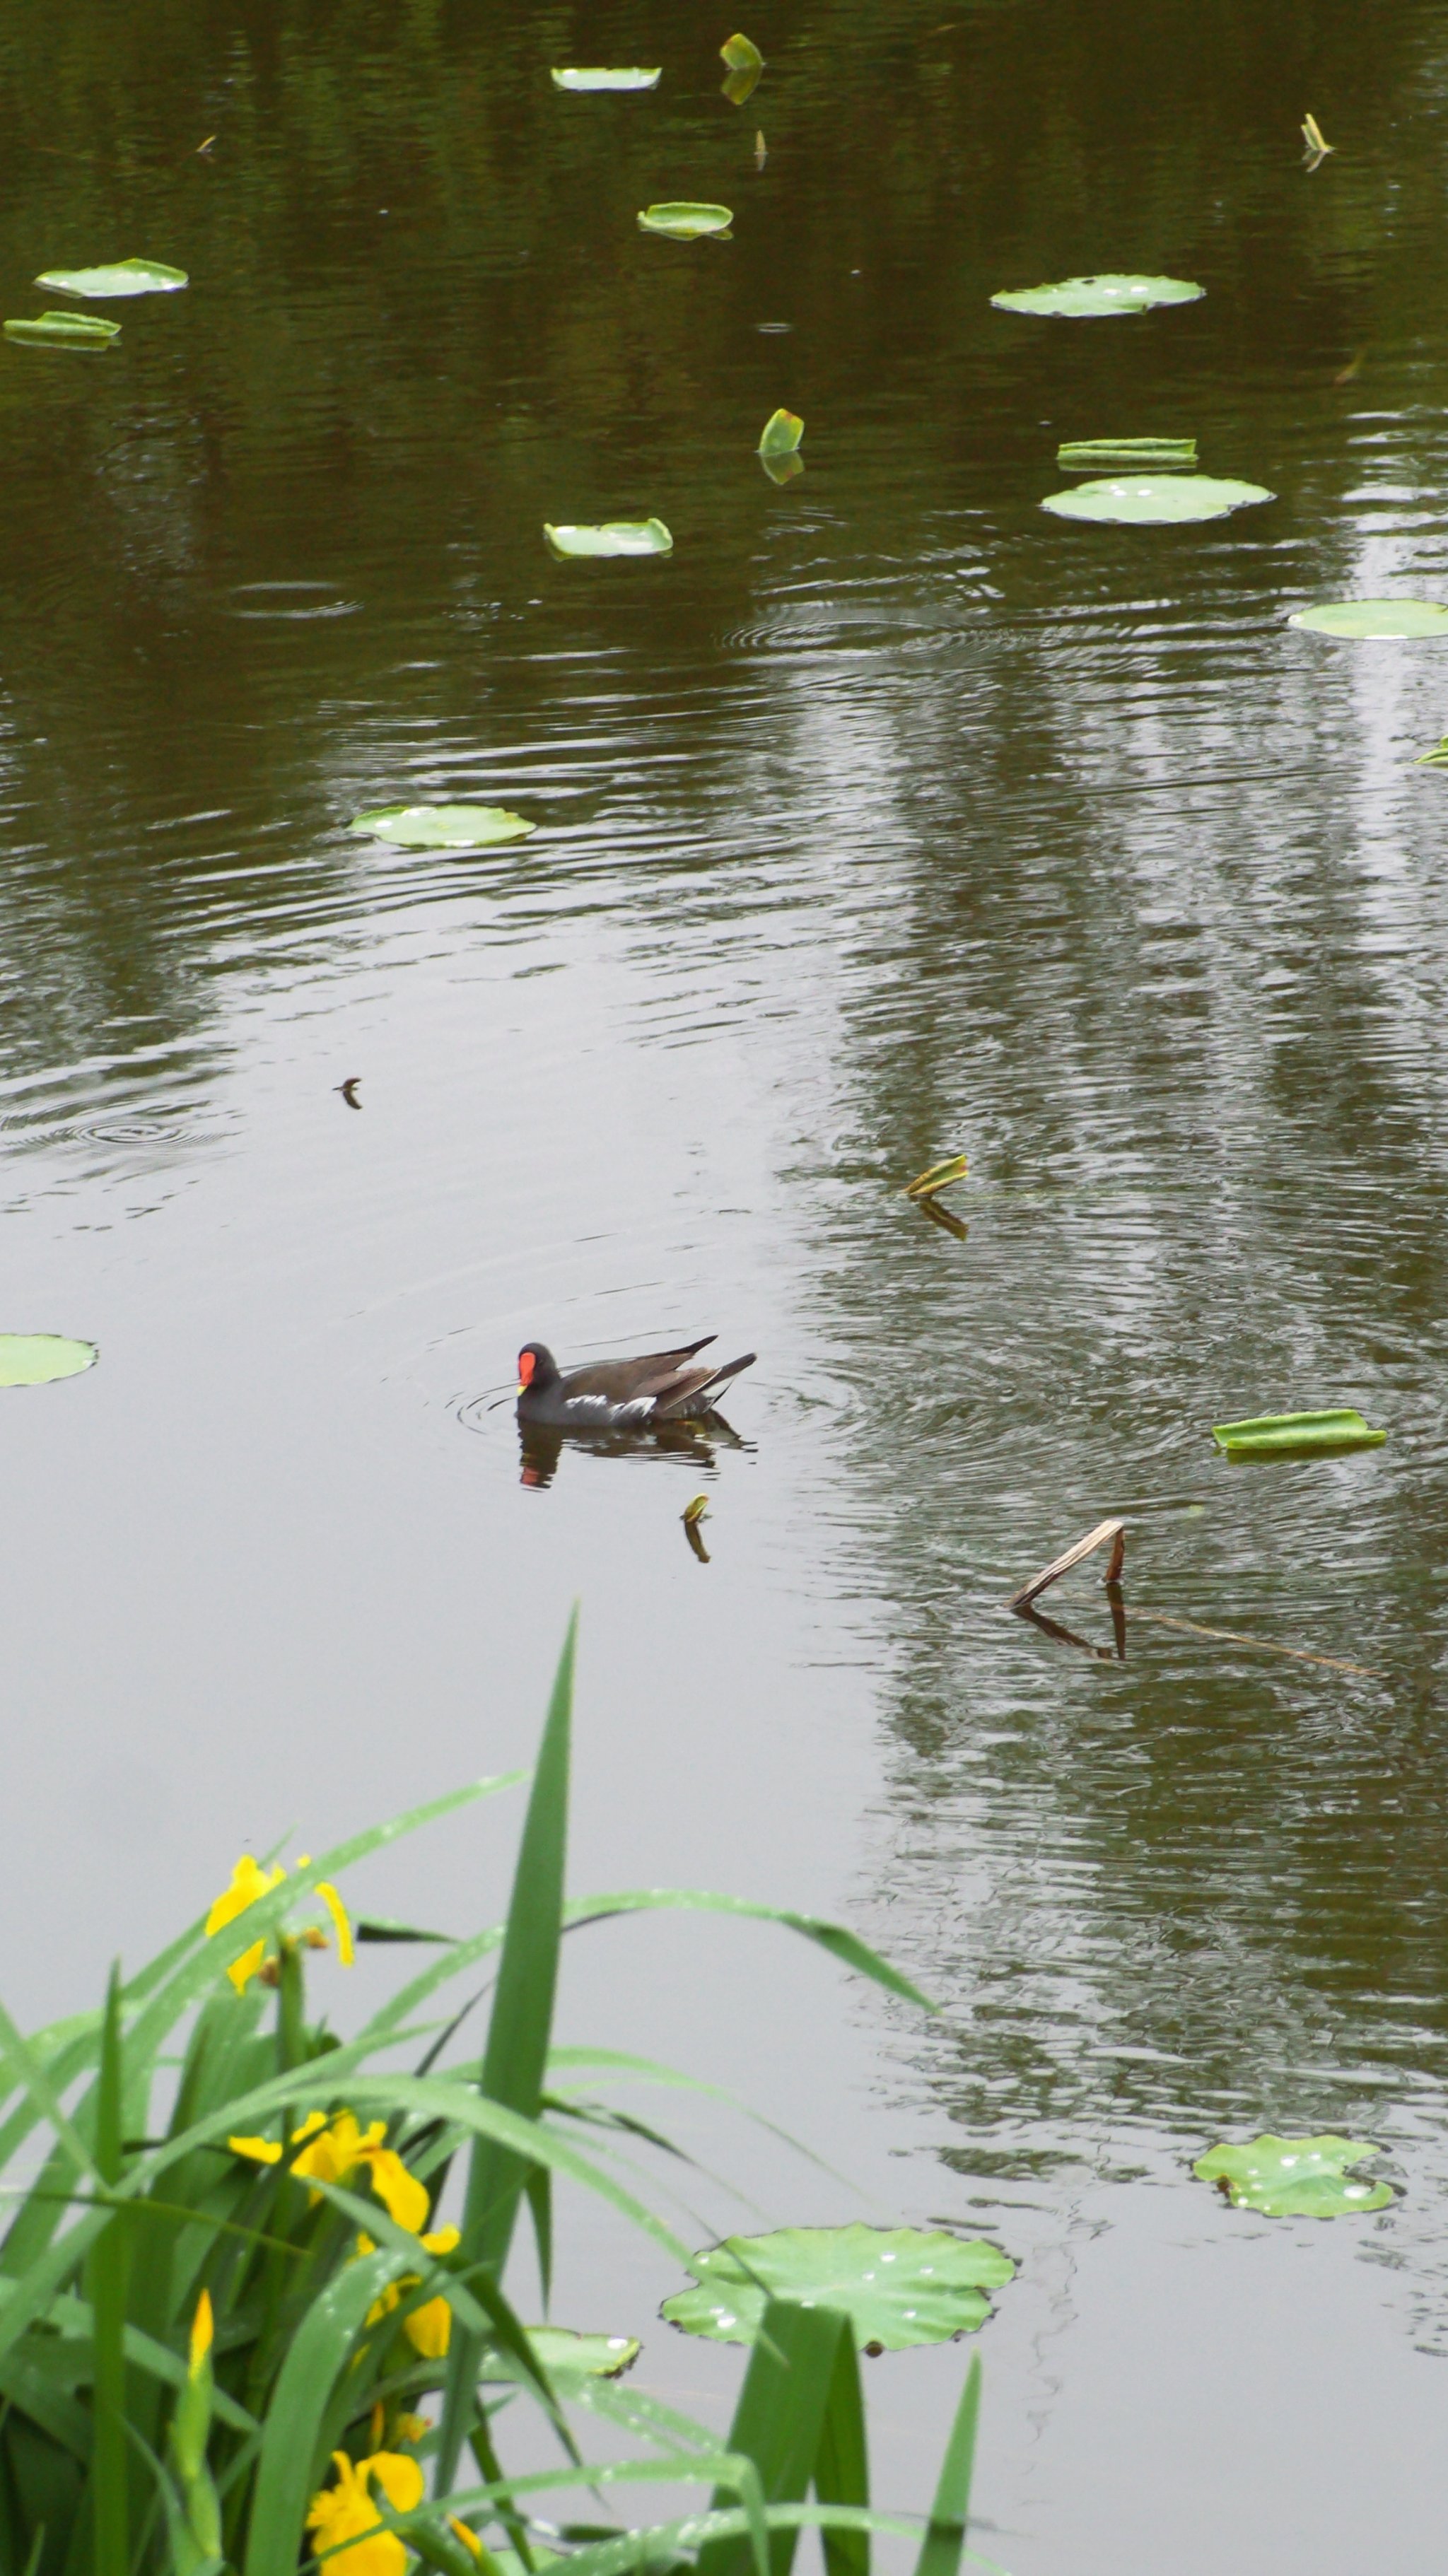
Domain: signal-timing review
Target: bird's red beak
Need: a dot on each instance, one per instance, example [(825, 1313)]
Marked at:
[(526, 1366)]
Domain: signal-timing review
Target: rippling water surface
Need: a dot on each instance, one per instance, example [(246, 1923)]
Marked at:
[(887, 818)]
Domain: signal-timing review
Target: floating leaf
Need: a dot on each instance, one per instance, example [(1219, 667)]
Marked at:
[(1086, 296), (939, 1177), (741, 55), (1316, 145), (442, 827), (781, 434), (64, 331), (615, 537), (898, 2286), (34, 1359), (565, 2355), (124, 277), (595, 80), (681, 220), (738, 86), (696, 1510), (1156, 500), (1374, 617), (1294, 2177), (1273, 1435), (1437, 758), (1094, 455)]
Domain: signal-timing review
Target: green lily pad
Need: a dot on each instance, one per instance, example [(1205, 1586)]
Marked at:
[(1156, 500), (34, 1359), (1284, 1435), (1294, 2177), (442, 827), (565, 2355), (615, 537), (781, 434), (741, 55), (898, 2286), (1374, 617), (1099, 455), (123, 277), (596, 80), (64, 331), (1084, 297), (681, 220)]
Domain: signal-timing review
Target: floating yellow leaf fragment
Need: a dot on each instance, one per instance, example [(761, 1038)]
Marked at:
[(695, 1510), (939, 1177), (1318, 147)]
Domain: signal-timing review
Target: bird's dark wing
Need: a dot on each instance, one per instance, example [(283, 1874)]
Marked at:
[(694, 1392), (629, 1381)]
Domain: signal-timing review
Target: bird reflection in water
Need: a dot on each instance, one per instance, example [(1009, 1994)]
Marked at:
[(541, 1444)]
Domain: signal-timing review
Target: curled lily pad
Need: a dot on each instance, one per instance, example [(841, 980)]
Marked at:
[(442, 827), (596, 80), (781, 434), (615, 537), (1374, 617), (64, 331), (741, 55), (1097, 455), (1156, 500), (1084, 297), (898, 2286), (1297, 1435), (682, 220), (939, 1177), (123, 277), (565, 2355), (1294, 2177), (34, 1359)]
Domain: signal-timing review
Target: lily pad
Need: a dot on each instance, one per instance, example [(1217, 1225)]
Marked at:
[(1156, 500), (123, 277), (64, 331), (1294, 2177), (1084, 297), (682, 220), (442, 827), (34, 1359), (615, 537), (1278, 1435), (596, 80), (1374, 617), (565, 2355), (741, 55), (781, 434), (1097, 455), (898, 2286)]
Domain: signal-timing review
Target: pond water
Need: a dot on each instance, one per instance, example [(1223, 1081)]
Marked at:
[(888, 817)]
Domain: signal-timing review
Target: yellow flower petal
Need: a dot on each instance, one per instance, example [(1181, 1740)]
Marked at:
[(262, 2151), (340, 1925), (429, 2329), (242, 1970), (203, 2332), (314, 2121), (248, 1881), (443, 2240), (465, 2532), (403, 2197), (400, 2478), (344, 2518)]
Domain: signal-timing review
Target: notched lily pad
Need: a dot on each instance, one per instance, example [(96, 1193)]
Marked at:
[(615, 537), (682, 220), (442, 827), (1368, 618), (35, 1359), (1083, 297), (1294, 2177), (565, 2355), (597, 80), (1102, 455), (1156, 500), (898, 2286), (123, 277), (1297, 1435), (781, 434), (64, 331)]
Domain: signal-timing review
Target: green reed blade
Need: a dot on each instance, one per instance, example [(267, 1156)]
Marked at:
[(291, 2459), (842, 2466), (940, 2550), (108, 2269), (779, 2420)]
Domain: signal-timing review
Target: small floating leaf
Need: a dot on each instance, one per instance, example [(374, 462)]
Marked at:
[(1095, 455), (898, 2286), (1085, 296), (696, 1510), (1156, 500), (939, 1177), (741, 55), (1317, 145), (681, 220), (781, 434), (442, 827), (1374, 617), (34, 1359), (566, 2355), (123, 277), (1294, 2177), (1435, 759), (615, 537), (64, 331), (1272, 1435), (595, 80)]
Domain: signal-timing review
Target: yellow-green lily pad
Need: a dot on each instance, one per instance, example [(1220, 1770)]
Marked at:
[(122, 277), (898, 2285), (565, 2355), (1082, 298), (1366, 620), (1294, 2177), (781, 434), (35, 1359), (615, 537), (1297, 1435), (64, 331), (1156, 500), (587, 81), (442, 827), (1102, 455), (682, 220)]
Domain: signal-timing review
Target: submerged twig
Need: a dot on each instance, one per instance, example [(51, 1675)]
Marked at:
[(1264, 1645)]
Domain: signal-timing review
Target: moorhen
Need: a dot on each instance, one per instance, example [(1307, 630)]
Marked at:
[(616, 1395)]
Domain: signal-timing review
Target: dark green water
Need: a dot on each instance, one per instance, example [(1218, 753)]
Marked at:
[(889, 817)]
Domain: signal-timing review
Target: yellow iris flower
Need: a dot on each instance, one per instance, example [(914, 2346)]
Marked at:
[(343, 2517), (429, 2328), (249, 1881)]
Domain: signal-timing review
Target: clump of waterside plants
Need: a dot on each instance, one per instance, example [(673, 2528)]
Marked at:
[(237, 2332)]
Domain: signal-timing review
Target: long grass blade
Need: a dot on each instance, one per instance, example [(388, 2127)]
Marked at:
[(290, 2463), (779, 2420), (944, 2542), (842, 2470), (108, 2267)]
